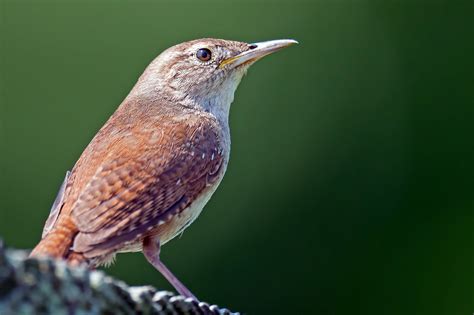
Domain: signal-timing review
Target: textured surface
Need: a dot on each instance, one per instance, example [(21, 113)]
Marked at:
[(30, 286)]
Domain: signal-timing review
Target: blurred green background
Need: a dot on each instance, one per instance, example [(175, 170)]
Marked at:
[(350, 187)]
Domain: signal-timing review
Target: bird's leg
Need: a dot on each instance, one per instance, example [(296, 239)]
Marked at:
[(151, 250)]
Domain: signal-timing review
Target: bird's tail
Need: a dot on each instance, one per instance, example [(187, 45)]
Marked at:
[(57, 243)]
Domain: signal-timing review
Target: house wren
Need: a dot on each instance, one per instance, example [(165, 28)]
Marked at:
[(153, 166)]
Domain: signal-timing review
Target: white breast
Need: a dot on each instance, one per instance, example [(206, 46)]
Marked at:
[(181, 221)]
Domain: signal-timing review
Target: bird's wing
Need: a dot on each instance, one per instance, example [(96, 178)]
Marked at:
[(56, 207), (143, 181)]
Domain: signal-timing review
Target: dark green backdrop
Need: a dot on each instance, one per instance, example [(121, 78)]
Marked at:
[(350, 187)]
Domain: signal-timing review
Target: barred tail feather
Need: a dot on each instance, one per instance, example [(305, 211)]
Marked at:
[(58, 241)]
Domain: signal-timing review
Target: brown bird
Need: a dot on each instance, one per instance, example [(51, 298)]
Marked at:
[(153, 166)]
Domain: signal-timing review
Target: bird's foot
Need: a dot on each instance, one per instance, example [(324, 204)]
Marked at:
[(151, 250)]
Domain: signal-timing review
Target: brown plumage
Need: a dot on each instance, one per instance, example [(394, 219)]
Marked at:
[(149, 171), (121, 190)]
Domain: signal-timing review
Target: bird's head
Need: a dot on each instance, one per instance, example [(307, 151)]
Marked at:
[(204, 72)]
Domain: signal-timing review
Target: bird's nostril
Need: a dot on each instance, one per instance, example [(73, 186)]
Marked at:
[(253, 46)]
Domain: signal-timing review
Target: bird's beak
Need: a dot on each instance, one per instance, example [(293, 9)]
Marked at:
[(257, 51)]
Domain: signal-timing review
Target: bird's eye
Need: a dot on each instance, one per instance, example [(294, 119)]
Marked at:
[(203, 54)]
